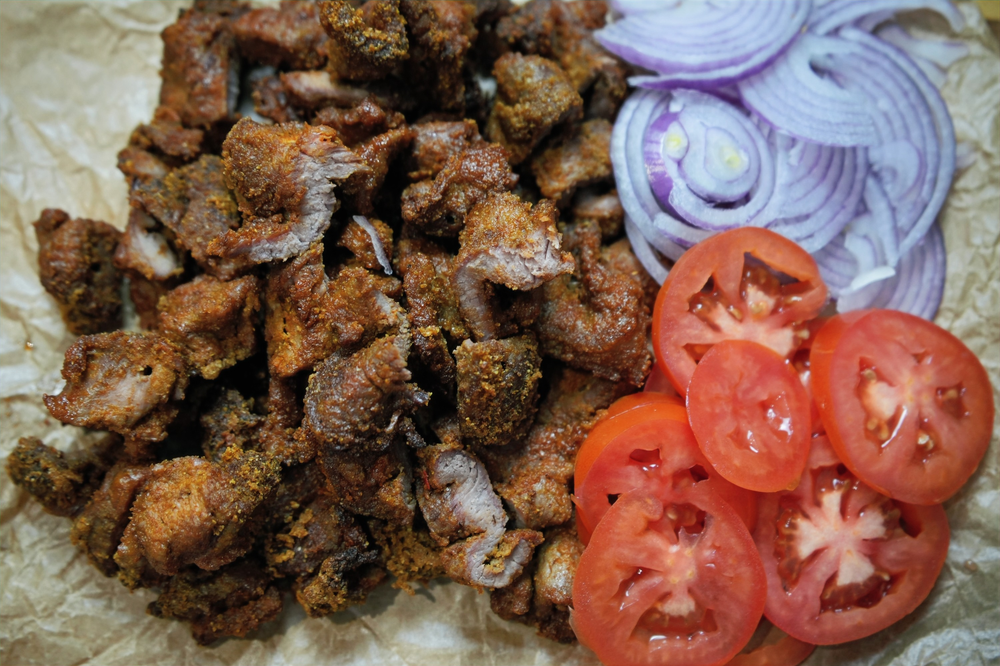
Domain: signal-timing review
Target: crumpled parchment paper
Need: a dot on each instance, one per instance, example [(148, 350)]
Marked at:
[(75, 78)]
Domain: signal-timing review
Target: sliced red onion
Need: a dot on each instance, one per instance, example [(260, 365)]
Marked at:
[(702, 151), (629, 7), (703, 44), (939, 149), (883, 219), (835, 14), (663, 231), (644, 252), (796, 96), (380, 252), (932, 56)]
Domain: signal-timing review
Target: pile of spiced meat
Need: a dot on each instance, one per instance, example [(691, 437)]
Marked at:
[(379, 312)]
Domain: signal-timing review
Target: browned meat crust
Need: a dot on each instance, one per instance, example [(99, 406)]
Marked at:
[(533, 96), (201, 69), (212, 322), (579, 158), (98, 529), (283, 177), (192, 511), (358, 240), (233, 601), (316, 89), (367, 43), (596, 319), (76, 268), (605, 210), (144, 252), (505, 241), (438, 207), (166, 137), (289, 35), (360, 122), (409, 554), (270, 99), (377, 152), (497, 389), (441, 33), (533, 478), (61, 483), (128, 383), (229, 423), (310, 316), (378, 484), (435, 142), (194, 204)]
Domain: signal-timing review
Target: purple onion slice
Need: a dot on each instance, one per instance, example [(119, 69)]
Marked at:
[(703, 44), (932, 56), (829, 16)]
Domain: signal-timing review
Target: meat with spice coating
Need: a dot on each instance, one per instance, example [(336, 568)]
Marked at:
[(366, 43), (289, 35)]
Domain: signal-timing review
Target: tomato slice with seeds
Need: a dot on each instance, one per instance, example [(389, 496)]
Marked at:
[(647, 447), (907, 406), (750, 415), (842, 560), (747, 284), (670, 579)]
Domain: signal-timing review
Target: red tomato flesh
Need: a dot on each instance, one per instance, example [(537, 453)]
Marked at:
[(668, 579), (715, 293), (775, 649), (842, 560), (907, 406), (750, 415)]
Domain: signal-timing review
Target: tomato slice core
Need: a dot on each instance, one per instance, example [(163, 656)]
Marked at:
[(668, 579), (750, 415), (907, 406)]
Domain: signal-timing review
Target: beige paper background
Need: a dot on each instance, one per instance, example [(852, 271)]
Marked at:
[(75, 79)]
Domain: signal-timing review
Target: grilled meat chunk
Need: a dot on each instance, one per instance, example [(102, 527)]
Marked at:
[(579, 158), (289, 35), (366, 43)]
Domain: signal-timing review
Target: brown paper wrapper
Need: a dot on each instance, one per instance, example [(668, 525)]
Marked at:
[(74, 80)]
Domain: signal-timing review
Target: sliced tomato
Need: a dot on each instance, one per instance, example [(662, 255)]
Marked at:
[(842, 560), (750, 415), (715, 292), (657, 382), (647, 447), (775, 648), (907, 406), (802, 365), (668, 579)]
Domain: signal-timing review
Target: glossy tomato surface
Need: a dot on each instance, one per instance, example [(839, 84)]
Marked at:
[(750, 415), (776, 648), (842, 560), (907, 406), (646, 448), (669, 579), (746, 284)]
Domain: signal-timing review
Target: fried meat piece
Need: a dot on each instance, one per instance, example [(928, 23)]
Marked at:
[(229, 423), (99, 527), (167, 138), (76, 268), (360, 122), (505, 241), (366, 43), (460, 508), (61, 483), (370, 241), (146, 295), (283, 406), (441, 33), (603, 209), (377, 484), (200, 69), (581, 157), (533, 96), (144, 250), (563, 31), (356, 402), (583, 322), (619, 256), (409, 553), (435, 142), (497, 389), (194, 204), (192, 511), (533, 477), (542, 596), (232, 601), (283, 176), (128, 383), (432, 306), (212, 322), (377, 152), (310, 316), (328, 556), (312, 89), (288, 35), (271, 100), (439, 207)]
